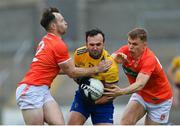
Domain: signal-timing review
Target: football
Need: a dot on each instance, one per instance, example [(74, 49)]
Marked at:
[(94, 90)]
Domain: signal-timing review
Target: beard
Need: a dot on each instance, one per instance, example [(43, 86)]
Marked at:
[(95, 54)]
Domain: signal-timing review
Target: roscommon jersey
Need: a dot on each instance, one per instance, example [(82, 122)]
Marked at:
[(83, 59)]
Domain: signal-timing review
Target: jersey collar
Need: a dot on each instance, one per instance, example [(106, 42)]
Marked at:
[(51, 35)]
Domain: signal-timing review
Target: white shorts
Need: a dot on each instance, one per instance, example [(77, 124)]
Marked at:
[(30, 97), (156, 112)]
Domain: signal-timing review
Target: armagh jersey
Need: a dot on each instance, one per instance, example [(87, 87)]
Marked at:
[(44, 67), (82, 59), (176, 68), (157, 88)]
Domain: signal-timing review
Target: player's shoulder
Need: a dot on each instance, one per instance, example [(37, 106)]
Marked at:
[(81, 50), (54, 44), (149, 53), (106, 54), (149, 57), (108, 57)]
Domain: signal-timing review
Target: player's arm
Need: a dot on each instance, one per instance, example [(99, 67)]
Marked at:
[(104, 98), (115, 90), (73, 72), (141, 81)]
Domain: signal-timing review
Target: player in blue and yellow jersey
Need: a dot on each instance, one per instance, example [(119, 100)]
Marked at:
[(174, 74), (88, 56)]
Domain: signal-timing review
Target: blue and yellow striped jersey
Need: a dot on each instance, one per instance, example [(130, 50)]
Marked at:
[(82, 59)]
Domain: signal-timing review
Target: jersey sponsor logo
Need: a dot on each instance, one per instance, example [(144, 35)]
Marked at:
[(129, 71)]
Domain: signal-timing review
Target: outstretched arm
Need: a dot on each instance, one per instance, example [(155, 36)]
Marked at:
[(73, 72), (105, 98), (115, 90)]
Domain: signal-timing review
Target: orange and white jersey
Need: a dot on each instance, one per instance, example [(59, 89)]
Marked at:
[(158, 87), (44, 68)]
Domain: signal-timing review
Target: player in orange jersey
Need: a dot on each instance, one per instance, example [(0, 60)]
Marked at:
[(33, 95), (151, 90)]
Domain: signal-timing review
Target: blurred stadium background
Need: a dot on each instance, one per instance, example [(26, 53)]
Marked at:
[(20, 33)]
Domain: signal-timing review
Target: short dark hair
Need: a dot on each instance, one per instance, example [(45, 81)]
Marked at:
[(94, 32), (138, 33), (48, 17)]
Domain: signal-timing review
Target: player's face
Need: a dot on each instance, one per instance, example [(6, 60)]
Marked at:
[(61, 24), (95, 45), (136, 46)]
